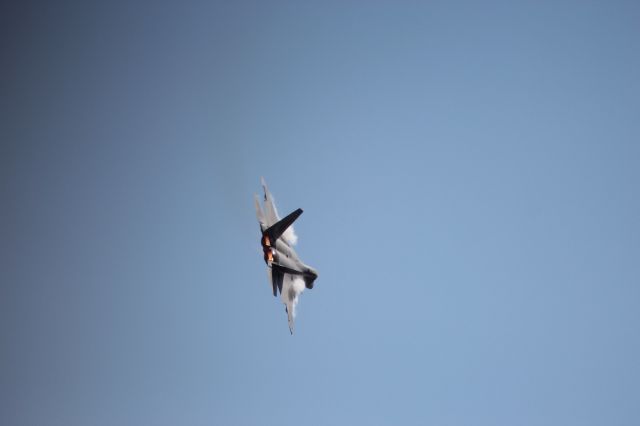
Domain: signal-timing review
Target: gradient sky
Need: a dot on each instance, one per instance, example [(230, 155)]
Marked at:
[(470, 175)]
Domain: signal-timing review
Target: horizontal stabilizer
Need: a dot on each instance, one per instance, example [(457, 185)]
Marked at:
[(308, 280), (276, 230)]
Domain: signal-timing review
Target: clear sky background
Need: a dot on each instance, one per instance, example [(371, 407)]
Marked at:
[(470, 175)]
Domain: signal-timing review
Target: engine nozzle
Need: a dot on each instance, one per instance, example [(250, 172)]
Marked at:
[(270, 255)]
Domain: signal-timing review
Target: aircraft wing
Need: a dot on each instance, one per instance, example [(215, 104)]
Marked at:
[(291, 289), (289, 318), (283, 282), (289, 298)]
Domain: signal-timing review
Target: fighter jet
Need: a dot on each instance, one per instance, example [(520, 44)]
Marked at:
[(285, 269)]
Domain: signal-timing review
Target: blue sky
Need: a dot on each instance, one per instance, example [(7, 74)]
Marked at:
[(469, 174)]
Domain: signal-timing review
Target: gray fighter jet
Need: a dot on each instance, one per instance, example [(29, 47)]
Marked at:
[(285, 268)]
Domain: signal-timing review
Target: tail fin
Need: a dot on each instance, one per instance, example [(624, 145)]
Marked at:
[(259, 212), (277, 278), (276, 230)]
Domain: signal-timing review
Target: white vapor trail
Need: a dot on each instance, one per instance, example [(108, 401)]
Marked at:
[(292, 287)]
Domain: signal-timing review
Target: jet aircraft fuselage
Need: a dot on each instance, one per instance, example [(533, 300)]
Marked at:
[(279, 255)]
